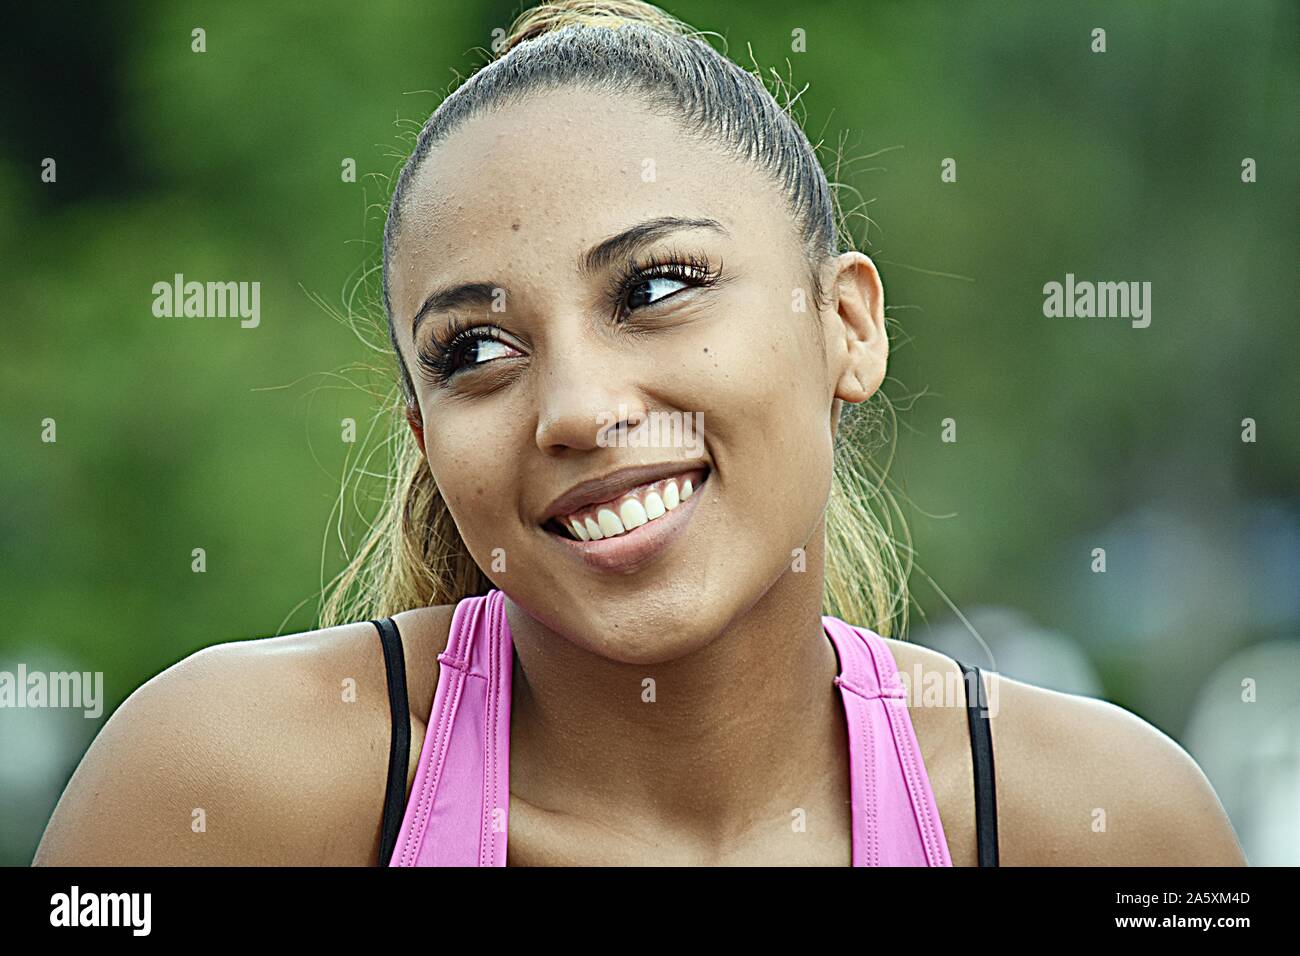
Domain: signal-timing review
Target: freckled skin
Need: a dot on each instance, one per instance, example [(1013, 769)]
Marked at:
[(737, 352)]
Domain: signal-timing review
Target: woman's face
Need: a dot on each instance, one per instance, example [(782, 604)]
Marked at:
[(575, 361)]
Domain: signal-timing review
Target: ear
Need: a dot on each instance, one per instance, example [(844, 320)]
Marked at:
[(859, 347), (416, 422)]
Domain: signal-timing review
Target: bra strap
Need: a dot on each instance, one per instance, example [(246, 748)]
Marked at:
[(981, 744), (399, 747)]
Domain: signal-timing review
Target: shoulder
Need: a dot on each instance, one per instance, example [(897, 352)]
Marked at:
[(1090, 783), (1079, 781), (263, 752)]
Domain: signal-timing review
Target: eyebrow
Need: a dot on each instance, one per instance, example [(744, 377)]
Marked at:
[(594, 260)]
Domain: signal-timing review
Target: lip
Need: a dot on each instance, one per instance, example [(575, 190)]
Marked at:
[(610, 486), (629, 552)]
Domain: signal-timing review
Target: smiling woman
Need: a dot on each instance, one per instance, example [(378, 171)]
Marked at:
[(604, 650), (662, 251)]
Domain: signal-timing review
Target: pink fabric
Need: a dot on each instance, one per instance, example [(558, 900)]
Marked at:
[(459, 809), (458, 812), (895, 819)]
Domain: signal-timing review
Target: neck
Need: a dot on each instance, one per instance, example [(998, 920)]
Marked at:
[(747, 728)]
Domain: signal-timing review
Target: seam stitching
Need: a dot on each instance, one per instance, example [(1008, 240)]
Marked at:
[(414, 840)]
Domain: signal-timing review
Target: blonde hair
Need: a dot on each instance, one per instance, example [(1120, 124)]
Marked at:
[(412, 554)]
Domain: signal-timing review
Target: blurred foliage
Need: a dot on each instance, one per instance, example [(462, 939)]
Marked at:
[(1120, 166)]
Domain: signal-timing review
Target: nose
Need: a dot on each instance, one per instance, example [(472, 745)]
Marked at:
[(585, 401)]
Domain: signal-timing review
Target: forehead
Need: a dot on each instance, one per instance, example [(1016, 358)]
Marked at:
[(556, 172)]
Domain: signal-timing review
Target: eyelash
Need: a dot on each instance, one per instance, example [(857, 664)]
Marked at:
[(440, 360)]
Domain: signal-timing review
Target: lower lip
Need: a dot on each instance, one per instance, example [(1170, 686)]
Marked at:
[(632, 550)]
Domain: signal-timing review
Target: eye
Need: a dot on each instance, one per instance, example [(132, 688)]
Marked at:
[(459, 348), (648, 291), (643, 285), (478, 349)]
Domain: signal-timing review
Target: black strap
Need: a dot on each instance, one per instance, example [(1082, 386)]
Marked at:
[(399, 748), (981, 747)]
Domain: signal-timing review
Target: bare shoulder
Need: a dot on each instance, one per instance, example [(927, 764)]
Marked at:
[(263, 752), (1089, 783), (1079, 781)]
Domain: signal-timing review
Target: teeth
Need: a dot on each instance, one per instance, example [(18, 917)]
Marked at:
[(629, 513), (609, 523), (654, 506), (632, 514), (671, 500)]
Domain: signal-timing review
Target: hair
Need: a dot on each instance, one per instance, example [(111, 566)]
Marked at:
[(412, 554)]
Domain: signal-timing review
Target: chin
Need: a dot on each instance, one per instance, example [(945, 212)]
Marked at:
[(649, 649), (655, 630)]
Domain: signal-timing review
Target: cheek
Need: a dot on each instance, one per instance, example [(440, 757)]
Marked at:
[(470, 455), (758, 369), (767, 415)]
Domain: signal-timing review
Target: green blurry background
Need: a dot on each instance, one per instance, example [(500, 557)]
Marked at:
[(1072, 434)]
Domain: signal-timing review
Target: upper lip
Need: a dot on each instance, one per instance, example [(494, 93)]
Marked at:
[(602, 489)]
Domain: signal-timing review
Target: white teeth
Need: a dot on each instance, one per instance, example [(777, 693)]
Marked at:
[(654, 506), (671, 500), (633, 515), (609, 523), (629, 513)]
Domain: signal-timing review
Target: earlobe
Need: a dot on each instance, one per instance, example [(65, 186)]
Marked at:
[(416, 422)]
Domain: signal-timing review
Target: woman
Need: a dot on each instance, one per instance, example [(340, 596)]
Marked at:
[(607, 642)]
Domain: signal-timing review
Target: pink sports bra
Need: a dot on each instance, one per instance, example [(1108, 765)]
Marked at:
[(458, 812)]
